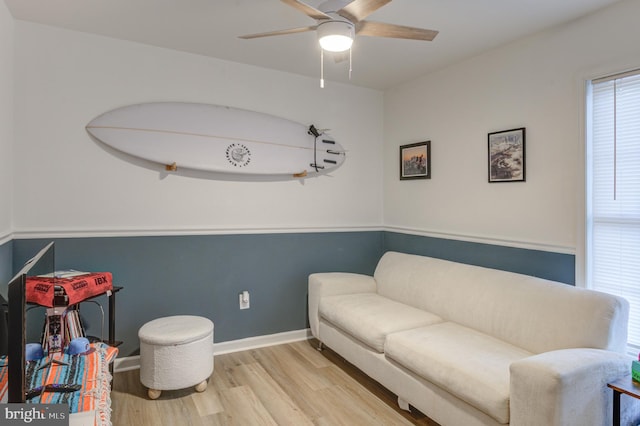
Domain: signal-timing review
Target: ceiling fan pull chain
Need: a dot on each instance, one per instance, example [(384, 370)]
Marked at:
[(322, 68)]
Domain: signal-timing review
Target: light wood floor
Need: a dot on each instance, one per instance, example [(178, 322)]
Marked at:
[(291, 384)]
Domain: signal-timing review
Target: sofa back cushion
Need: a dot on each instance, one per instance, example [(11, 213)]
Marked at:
[(535, 314)]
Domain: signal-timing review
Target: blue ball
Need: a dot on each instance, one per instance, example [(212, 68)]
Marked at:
[(33, 351)]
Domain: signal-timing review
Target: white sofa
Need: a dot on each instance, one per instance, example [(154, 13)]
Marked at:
[(468, 345)]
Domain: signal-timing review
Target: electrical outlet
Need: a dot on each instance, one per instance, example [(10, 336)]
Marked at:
[(243, 300)]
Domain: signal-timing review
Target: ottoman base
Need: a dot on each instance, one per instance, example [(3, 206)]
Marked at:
[(155, 393)]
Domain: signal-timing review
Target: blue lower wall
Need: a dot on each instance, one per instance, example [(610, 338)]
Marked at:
[(203, 275), (552, 266), (6, 265), (6, 273)]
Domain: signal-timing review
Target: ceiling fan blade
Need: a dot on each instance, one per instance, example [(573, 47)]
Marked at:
[(380, 29), (307, 10), (279, 32), (357, 10)]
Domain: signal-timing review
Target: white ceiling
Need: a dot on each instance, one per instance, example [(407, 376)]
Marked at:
[(212, 27)]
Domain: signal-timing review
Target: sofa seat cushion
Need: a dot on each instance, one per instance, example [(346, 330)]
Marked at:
[(466, 363), (369, 317)]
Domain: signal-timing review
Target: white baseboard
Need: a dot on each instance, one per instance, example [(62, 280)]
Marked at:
[(260, 341), (126, 363), (133, 362)]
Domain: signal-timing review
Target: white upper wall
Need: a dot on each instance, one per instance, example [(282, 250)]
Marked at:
[(6, 119), (537, 83), (63, 79), (70, 182)]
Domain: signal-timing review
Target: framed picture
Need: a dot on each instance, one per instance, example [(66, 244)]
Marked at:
[(415, 161), (507, 156)]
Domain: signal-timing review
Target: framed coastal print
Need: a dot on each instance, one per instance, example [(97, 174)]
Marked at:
[(415, 161), (507, 156)]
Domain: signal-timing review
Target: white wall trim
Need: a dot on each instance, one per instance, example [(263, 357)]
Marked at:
[(483, 240), (6, 238), (96, 233), (133, 362), (70, 233)]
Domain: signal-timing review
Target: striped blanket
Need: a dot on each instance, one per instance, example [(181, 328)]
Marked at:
[(91, 371)]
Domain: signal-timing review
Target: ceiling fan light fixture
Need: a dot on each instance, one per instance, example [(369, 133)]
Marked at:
[(336, 36)]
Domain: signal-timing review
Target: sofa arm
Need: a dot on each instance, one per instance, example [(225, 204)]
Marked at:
[(565, 387), (334, 283)]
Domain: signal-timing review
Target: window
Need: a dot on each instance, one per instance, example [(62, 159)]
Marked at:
[(613, 191)]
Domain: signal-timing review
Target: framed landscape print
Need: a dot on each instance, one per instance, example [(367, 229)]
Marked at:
[(415, 161), (507, 156)]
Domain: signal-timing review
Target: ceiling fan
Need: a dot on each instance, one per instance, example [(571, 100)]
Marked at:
[(338, 22)]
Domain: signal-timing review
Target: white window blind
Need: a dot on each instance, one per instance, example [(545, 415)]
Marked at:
[(613, 184)]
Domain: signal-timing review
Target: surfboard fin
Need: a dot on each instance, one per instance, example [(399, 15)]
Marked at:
[(171, 167)]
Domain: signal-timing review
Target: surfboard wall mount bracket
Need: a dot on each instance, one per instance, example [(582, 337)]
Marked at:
[(173, 167), (313, 131), (301, 174)]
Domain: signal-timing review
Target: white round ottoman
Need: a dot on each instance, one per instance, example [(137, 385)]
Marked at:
[(176, 352)]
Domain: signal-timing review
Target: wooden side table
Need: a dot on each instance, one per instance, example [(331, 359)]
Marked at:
[(624, 385)]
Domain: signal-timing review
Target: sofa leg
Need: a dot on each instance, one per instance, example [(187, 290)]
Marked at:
[(319, 346), (403, 404)]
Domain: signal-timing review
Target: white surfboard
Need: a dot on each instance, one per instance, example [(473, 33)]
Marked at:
[(217, 139)]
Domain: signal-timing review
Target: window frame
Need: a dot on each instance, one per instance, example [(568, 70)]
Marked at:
[(584, 248)]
